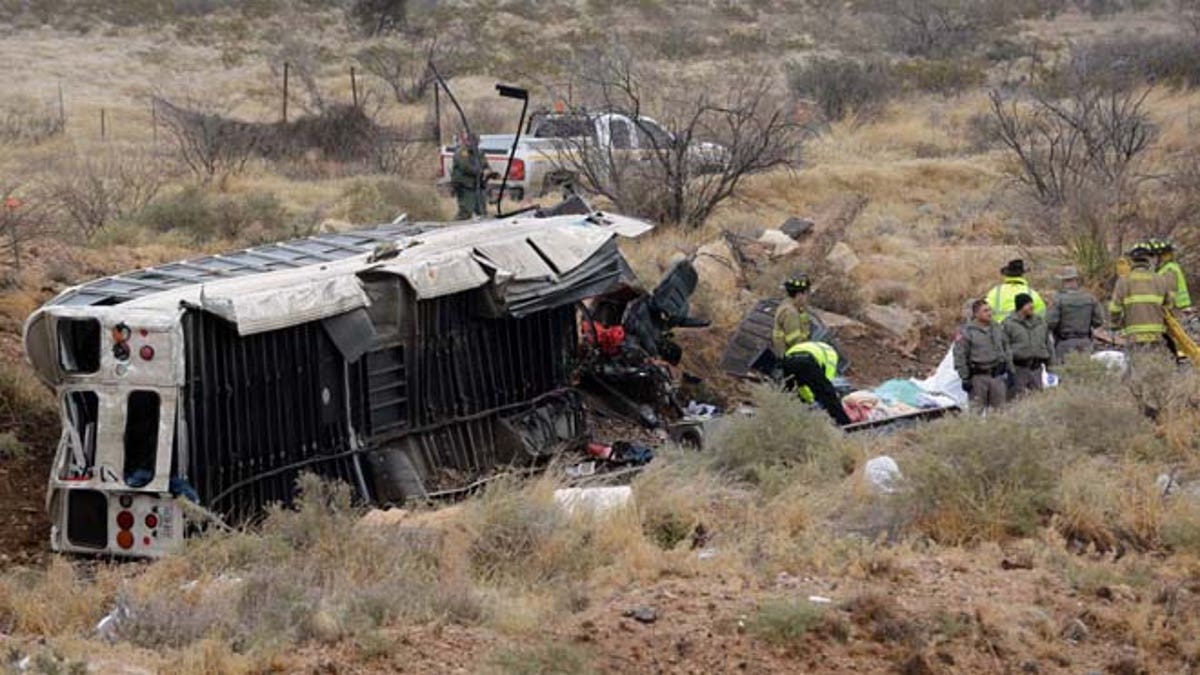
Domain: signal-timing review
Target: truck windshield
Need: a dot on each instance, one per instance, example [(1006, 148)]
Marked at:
[(563, 126)]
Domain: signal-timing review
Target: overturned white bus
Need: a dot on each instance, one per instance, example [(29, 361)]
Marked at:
[(405, 360)]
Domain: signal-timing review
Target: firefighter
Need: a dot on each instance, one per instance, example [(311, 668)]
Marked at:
[(983, 359), (469, 177), (1140, 302), (792, 323), (1072, 317), (1002, 297), (1168, 267), (809, 367)]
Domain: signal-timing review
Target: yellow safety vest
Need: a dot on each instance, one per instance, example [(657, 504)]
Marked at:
[(826, 357), (1003, 298), (1183, 299)]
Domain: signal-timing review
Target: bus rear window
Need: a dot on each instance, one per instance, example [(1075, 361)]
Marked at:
[(141, 437), (83, 411), (79, 345)]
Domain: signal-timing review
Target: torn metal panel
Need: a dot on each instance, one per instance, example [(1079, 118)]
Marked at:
[(274, 308), (352, 333), (565, 248), (433, 277), (517, 257)]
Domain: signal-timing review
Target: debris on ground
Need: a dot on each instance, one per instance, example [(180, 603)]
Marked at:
[(642, 614), (797, 228), (593, 500), (882, 474)]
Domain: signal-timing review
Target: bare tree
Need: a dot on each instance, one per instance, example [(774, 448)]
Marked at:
[(207, 141), (302, 58), (1188, 11), (91, 192), (938, 28), (692, 155), (1093, 137), (406, 67), (376, 17), (23, 216)]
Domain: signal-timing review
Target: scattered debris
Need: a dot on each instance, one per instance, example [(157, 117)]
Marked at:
[(581, 470), (819, 600), (1075, 631), (593, 500), (779, 243), (642, 614), (883, 473), (797, 228), (1016, 564)]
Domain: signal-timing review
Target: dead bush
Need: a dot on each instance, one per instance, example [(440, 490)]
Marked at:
[(946, 77), (941, 28), (206, 140), (843, 85), (56, 601), (552, 658), (25, 404), (1130, 60), (786, 622), (25, 120), (26, 213), (782, 442), (1104, 505), (93, 191)]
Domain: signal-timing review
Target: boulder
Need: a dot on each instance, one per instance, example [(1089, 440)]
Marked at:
[(843, 257), (780, 244), (896, 320), (718, 268), (882, 474), (796, 228), (842, 325)]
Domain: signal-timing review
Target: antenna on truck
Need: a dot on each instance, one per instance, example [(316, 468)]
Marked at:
[(523, 94)]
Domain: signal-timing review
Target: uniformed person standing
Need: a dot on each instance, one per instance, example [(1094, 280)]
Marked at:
[(1073, 316), (810, 368), (1002, 297), (1029, 342), (792, 322), (469, 177), (1168, 267), (1140, 302), (982, 358)]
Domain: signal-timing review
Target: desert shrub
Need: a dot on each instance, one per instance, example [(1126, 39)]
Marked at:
[(843, 85), (373, 201), (676, 494), (1105, 504), (783, 441), (978, 478), (940, 76), (943, 28), (94, 191), (311, 573), (25, 404), (204, 216), (1169, 60), (1096, 418), (553, 658), (1181, 525), (522, 537), (58, 600), (786, 621), (24, 120), (11, 447)]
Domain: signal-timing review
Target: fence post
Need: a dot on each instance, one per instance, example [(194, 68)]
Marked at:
[(62, 109), (285, 90), (437, 114), (154, 119), (102, 125), (353, 86)]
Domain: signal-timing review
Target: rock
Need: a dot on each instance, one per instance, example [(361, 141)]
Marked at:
[(381, 518), (843, 325), (882, 474), (896, 320), (796, 228), (642, 614), (1075, 631), (780, 243), (843, 257), (718, 269)]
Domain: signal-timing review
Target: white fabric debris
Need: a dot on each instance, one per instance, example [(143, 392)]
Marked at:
[(883, 473), (593, 500)]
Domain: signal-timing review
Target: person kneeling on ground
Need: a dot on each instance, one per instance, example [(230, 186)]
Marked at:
[(1028, 337), (810, 367), (982, 358)]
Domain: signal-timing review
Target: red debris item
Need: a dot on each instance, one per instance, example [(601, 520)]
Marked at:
[(608, 338), (599, 450)]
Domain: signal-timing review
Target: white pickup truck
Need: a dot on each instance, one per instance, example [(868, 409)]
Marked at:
[(542, 160)]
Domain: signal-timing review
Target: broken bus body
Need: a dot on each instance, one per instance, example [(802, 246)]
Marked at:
[(406, 360)]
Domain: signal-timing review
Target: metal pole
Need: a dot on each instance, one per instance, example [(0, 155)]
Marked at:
[(102, 130), (62, 109), (437, 114), (285, 90), (154, 118), (353, 86)]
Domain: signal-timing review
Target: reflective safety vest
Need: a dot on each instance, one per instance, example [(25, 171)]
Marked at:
[(1003, 298), (825, 356), (1174, 273), (1140, 298)]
